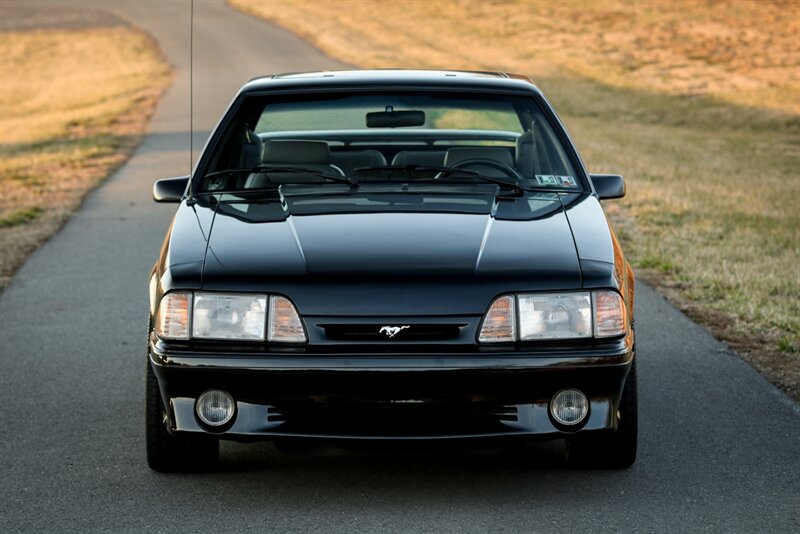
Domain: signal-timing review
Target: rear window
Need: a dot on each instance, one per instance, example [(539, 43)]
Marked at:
[(349, 112)]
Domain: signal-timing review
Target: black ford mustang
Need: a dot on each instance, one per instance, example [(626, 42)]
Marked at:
[(390, 255)]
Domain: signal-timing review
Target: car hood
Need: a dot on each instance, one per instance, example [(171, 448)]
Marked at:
[(390, 263)]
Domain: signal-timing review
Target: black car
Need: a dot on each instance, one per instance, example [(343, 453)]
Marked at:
[(390, 255)]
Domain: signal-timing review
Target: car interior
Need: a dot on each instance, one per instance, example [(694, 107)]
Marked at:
[(528, 153), (345, 161)]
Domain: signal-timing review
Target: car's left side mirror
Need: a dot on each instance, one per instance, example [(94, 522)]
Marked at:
[(170, 189), (608, 185)]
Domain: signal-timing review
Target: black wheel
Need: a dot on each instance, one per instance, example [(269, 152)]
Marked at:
[(167, 452), (615, 449)]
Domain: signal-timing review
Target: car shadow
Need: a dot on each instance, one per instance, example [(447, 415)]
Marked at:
[(430, 458), (394, 477)]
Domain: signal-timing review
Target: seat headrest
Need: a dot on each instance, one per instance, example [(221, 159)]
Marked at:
[(290, 151), (527, 162), (252, 148), (496, 153), (419, 157), (349, 161)]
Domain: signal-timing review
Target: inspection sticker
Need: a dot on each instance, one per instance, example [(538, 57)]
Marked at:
[(555, 179)]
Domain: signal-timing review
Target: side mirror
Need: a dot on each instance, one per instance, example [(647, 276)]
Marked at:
[(608, 185), (170, 189)]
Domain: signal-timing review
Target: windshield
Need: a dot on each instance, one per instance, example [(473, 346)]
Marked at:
[(400, 138)]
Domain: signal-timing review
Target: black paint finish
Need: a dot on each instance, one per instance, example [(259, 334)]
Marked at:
[(355, 270)]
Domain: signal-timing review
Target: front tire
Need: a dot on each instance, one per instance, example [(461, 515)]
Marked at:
[(168, 452), (615, 449)]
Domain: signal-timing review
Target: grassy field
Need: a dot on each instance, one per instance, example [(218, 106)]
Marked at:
[(696, 103), (73, 105)]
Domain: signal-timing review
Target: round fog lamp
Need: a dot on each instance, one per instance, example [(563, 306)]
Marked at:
[(569, 407), (215, 407)]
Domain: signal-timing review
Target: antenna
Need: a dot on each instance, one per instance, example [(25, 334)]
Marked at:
[(191, 86), (190, 201)]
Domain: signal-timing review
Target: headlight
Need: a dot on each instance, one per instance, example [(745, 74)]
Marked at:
[(220, 316), (555, 316), (183, 315), (546, 316)]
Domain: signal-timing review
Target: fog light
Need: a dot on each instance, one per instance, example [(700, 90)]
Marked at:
[(569, 407), (215, 407)]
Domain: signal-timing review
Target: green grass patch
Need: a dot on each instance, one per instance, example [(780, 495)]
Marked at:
[(20, 217), (786, 344)]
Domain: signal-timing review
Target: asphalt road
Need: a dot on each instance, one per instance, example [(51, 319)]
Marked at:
[(719, 446)]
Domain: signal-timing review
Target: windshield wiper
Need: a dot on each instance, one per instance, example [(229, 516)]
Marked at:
[(446, 172), (286, 169), (419, 168)]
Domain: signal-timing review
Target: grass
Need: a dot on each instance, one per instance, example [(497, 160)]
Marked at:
[(19, 217), (73, 106), (695, 102)]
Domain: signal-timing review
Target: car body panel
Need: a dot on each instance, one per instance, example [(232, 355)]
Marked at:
[(285, 395), (407, 263), (371, 269)]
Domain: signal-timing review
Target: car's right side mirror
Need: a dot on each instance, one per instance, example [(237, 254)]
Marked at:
[(170, 189), (608, 185)]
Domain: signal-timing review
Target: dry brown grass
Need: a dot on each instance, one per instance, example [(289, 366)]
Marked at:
[(73, 105), (744, 52), (695, 102)]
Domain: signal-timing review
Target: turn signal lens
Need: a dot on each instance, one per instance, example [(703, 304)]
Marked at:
[(610, 318), (500, 324), (172, 320), (284, 322)]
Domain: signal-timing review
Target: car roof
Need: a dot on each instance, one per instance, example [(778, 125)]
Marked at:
[(375, 78)]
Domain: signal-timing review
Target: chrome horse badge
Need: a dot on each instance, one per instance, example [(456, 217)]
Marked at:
[(391, 331)]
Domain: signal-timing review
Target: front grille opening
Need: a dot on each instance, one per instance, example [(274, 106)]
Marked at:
[(505, 413), (380, 333)]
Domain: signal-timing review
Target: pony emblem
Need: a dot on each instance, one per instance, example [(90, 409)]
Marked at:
[(392, 331)]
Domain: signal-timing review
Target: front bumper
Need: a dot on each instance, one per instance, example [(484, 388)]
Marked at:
[(390, 396)]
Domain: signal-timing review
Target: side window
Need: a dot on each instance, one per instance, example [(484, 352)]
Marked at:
[(553, 151), (541, 156)]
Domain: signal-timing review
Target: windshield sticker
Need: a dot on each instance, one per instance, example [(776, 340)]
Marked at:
[(556, 180)]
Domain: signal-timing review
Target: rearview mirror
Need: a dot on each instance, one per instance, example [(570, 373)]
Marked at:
[(393, 119), (608, 185), (170, 189)]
